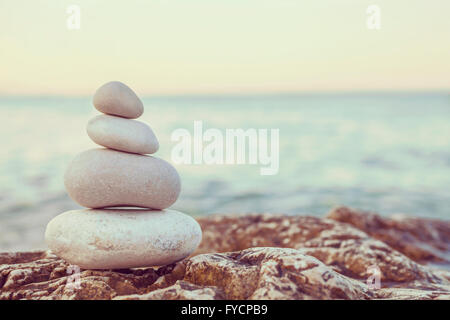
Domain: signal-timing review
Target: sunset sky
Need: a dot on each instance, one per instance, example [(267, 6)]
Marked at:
[(223, 46)]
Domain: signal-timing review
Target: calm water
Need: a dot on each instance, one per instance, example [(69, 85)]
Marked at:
[(383, 152)]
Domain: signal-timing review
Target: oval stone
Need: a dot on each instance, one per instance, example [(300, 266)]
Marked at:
[(122, 134), (100, 178), (118, 99), (113, 239)]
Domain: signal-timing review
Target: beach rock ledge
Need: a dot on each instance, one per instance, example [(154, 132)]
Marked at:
[(264, 256)]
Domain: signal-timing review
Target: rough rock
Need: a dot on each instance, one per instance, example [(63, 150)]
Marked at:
[(260, 256), (418, 238), (347, 249)]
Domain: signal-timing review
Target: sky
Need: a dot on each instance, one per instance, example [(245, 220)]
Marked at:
[(223, 46)]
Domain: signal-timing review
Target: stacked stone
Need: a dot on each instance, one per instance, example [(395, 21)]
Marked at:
[(109, 236)]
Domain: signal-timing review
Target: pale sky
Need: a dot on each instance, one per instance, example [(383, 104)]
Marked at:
[(223, 46)]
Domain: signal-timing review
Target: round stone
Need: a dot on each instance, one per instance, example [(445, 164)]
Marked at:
[(114, 239), (118, 99), (122, 134), (100, 178)]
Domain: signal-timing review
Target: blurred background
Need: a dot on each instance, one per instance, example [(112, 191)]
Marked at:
[(363, 114)]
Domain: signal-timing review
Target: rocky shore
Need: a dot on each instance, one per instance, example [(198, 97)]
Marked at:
[(265, 256)]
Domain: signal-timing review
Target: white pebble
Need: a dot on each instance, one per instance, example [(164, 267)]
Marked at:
[(118, 99), (113, 239), (122, 134), (100, 178)]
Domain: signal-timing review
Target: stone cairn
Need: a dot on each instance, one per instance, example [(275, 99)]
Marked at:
[(108, 181)]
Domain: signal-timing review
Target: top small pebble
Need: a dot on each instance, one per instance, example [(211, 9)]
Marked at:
[(116, 98)]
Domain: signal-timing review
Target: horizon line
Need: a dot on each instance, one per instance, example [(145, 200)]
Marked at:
[(444, 91)]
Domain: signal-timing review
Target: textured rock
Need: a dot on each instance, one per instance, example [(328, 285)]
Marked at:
[(122, 134), (47, 278), (181, 290), (113, 239), (100, 178), (418, 238), (116, 98), (274, 257), (349, 250), (272, 273)]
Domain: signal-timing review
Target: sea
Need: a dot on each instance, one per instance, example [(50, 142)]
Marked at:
[(381, 152)]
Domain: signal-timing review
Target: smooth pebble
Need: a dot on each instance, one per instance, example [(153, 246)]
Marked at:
[(113, 239), (100, 178), (122, 134), (118, 99)]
